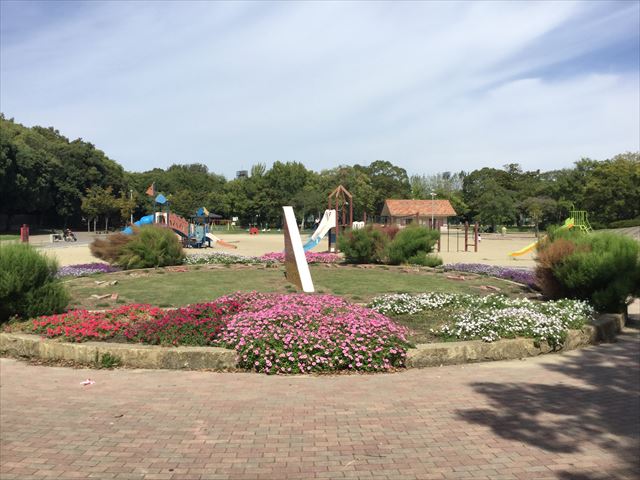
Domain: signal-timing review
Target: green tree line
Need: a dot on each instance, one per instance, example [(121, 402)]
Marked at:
[(62, 182)]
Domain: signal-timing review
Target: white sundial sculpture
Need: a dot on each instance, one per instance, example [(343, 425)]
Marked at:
[(295, 261)]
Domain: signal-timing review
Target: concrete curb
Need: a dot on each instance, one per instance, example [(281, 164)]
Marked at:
[(134, 356), (604, 329)]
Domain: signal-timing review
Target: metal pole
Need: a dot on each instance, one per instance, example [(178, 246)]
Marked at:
[(476, 228), (466, 236), (432, 207)]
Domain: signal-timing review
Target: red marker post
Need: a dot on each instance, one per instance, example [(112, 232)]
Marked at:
[(24, 233)]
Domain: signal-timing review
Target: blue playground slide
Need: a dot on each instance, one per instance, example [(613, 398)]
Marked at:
[(326, 224), (311, 243), (146, 220)]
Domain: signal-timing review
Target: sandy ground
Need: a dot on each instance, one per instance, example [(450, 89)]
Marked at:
[(493, 250)]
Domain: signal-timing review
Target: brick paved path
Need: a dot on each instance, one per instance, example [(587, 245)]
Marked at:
[(573, 416)]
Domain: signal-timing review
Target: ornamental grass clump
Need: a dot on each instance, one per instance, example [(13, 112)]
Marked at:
[(151, 246), (300, 333), (28, 284)]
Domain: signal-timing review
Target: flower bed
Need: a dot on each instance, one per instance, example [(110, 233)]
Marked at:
[(220, 258), (524, 276), (312, 257), (491, 317), (268, 258), (199, 324), (272, 333), (312, 333), (82, 325), (83, 269)]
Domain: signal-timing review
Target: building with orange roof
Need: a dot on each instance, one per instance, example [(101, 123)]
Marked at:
[(405, 212)]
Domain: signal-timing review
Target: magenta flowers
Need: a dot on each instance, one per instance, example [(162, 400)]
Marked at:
[(300, 333)]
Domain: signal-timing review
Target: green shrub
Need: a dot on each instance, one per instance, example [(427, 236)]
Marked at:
[(365, 245), (151, 246), (412, 245), (425, 260), (602, 268), (28, 287)]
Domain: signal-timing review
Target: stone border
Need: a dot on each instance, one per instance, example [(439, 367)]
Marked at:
[(604, 329), (126, 355)]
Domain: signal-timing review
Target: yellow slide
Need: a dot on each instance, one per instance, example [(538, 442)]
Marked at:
[(568, 223), (524, 250)]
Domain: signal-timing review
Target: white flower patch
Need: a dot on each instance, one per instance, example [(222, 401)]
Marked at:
[(492, 317)]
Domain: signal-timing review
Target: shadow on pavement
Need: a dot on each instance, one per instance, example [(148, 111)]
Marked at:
[(601, 414)]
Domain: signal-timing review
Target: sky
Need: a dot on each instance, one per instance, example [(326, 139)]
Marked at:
[(429, 86)]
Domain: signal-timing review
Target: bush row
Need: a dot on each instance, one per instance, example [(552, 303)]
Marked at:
[(149, 246), (412, 245), (603, 268)]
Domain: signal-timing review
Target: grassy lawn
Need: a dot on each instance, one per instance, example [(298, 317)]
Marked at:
[(5, 237), (421, 323), (202, 283)]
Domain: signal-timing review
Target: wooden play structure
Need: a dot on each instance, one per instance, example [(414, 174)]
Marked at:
[(341, 201)]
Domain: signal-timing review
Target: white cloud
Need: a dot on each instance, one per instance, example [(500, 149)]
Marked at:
[(428, 86)]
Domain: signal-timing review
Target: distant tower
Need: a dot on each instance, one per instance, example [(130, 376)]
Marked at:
[(242, 174)]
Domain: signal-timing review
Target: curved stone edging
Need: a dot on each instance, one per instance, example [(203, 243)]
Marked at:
[(605, 328), (127, 355)]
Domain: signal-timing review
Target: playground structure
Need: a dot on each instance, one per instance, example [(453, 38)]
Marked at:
[(578, 219), (194, 234), (326, 224), (341, 201), (337, 218)]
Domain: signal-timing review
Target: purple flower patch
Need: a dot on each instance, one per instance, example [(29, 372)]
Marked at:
[(524, 276), (82, 269)]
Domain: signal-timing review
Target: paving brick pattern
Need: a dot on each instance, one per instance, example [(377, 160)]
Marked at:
[(572, 417)]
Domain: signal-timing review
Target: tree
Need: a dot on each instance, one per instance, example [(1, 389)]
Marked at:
[(388, 181), (283, 182), (495, 206), (612, 189), (99, 202), (357, 182), (540, 209), (126, 205)]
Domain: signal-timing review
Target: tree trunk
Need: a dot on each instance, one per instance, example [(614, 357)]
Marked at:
[(106, 223), (95, 220)]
